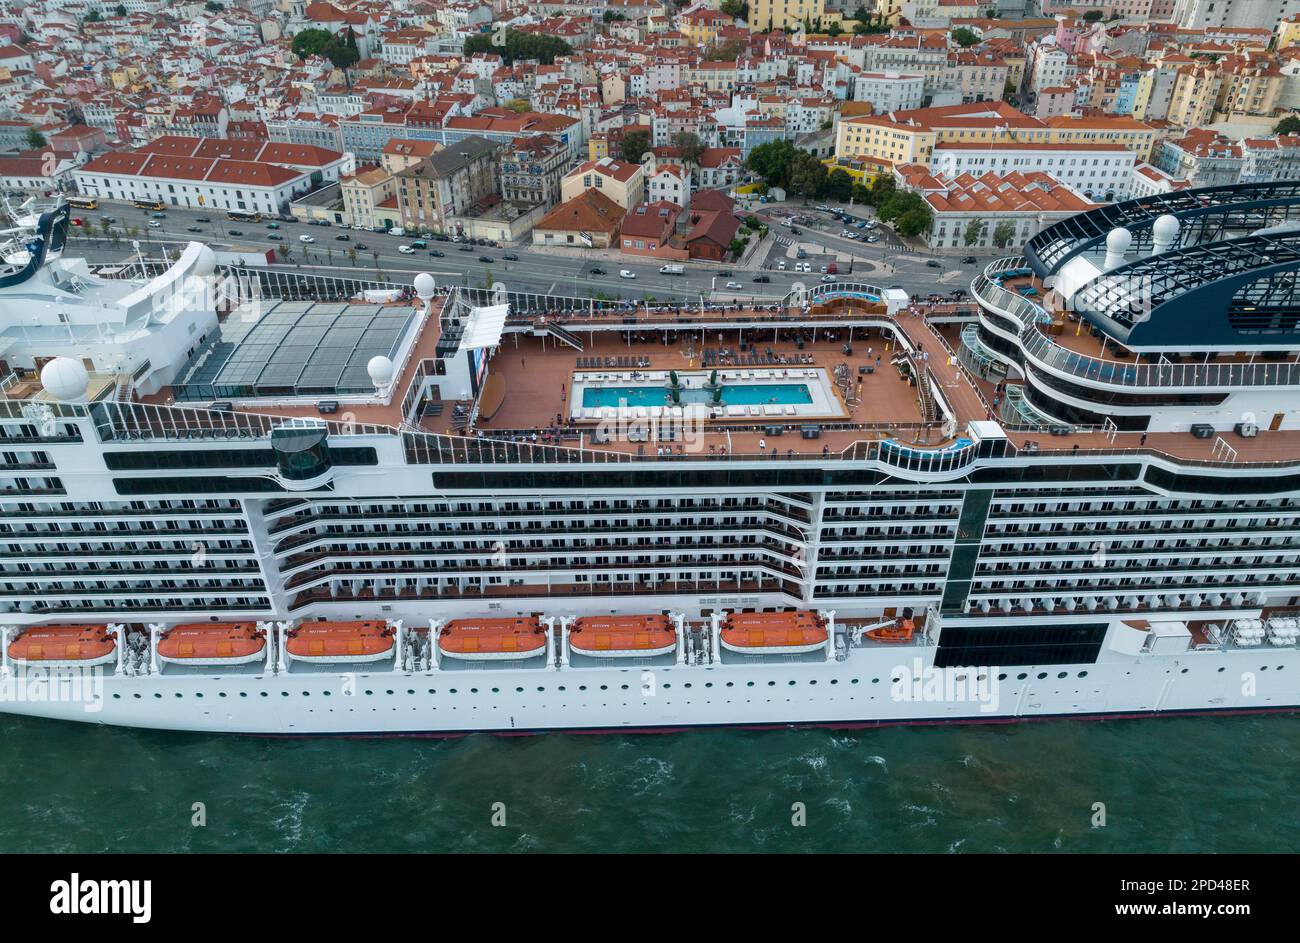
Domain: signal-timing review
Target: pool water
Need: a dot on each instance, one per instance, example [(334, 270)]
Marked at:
[(743, 394)]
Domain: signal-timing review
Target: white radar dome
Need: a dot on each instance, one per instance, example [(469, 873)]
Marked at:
[(1165, 229), (65, 379), (424, 285), (205, 262), (1119, 240), (381, 371)]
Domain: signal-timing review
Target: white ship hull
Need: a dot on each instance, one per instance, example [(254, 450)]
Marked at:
[(856, 691)]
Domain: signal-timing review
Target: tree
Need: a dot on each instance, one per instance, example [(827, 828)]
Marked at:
[(861, 14), (120, 9), (974, 229), (1288, 125), (520, 106), (35, 140), (882, 188), (808, 175), (635, 144), (737, 9), (834, 30), (1003, 233), (519, 45), (352, 255), (92, 17), (310, 42), (1092, 16), (340, 54), (915, 221), (689, 143), (964, 37), (772, 161), (839, 185), (211, 6), (609, 16), (723, 52)]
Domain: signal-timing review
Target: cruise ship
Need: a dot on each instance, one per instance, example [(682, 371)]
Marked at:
[(251, 500)]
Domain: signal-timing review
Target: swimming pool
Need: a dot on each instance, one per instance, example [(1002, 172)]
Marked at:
[(740, 394)]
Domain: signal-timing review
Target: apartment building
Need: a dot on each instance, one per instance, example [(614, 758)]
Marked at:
[(447, 183)]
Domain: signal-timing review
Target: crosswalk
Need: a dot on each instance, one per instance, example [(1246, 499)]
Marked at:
[(784, 241)]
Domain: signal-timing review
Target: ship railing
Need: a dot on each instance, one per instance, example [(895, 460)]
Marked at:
[(1155, 453), (1047, 353)]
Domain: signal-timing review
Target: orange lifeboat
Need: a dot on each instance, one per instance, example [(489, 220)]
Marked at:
[(212, 643), (623, 636), (485, 639), (340, 642), (64, 646), (774, 633), (901, 631)]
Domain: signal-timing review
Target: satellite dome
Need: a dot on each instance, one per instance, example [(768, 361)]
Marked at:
[(424, 285), (1119, 240), (205, 262), (381, 371), (1165, 229), (65, 379)]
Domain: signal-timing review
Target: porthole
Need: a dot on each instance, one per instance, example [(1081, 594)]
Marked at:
[(1042, 675)]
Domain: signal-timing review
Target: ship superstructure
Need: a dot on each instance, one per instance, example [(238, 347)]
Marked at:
[(426, 510)]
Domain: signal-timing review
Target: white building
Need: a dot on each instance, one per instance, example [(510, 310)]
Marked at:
[(889, 91), (1101, 172), (670, 183)]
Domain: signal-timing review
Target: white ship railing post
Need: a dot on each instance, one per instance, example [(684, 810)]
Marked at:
[(549, 622), (715, 636), (268, 632), (399, 656), (154, 629), (435, 632), (281, 630), (679, 620), (4, 650), (829, 616), (119, 630)]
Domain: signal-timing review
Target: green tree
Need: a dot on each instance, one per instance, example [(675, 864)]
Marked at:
[(340, 54), (92, 17), (839, 185), (689, 143), (352, 254), (834, 29), (635, 144), (211, 6), (808, 175), (35, 139), (861, 14), (724, 52), (974, 229), (1288, 125), (609, 16), (964, 37), (772, 161), (518, 45), (1092, 16), (882, 188), (1003, 233), (120, 9), (310, 42), (915, 221), (738, 9)]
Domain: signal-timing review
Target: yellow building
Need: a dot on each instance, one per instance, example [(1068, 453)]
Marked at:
[(598, 146), (1195, 92), (784, 14), (620, 181), (701, 26), (1288, 34)]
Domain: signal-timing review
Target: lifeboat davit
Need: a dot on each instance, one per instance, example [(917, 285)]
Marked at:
[(623, 636), (485, 639), (64, 646), (774, 633), (212, 643), (340, 642), (901, 631)]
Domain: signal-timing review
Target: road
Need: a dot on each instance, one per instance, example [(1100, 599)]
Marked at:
[(564, 272)]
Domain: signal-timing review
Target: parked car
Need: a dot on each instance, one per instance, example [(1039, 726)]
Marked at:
[(626, 273), (781, 265), (873, 239)]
